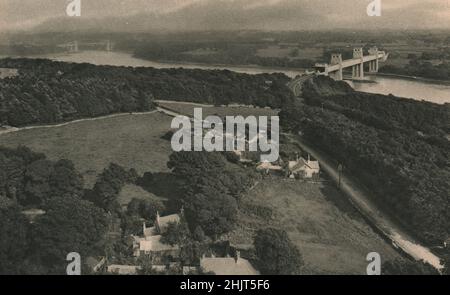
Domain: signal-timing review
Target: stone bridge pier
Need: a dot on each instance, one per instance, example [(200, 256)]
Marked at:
[(358, 69)]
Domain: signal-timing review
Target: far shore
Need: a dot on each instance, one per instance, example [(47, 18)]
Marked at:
[(413, 78)]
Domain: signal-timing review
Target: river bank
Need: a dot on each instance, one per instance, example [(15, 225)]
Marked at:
[(398, 86)]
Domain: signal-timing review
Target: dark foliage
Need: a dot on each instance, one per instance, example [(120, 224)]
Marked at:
[(68, 223), (396, 146), (32, 180), (407, 267), (211, 188), (49, 92), (276, 254)]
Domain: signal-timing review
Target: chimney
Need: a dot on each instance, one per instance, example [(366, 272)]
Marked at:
[(182, 211), (237, 256), (309, 158), (143, 228), (157, 227)]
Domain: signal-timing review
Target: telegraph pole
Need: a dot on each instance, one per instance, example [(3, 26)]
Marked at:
[(340, 169)]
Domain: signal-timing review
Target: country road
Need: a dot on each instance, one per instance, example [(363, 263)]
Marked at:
[(362, 201), (17, 129), (359, 197)]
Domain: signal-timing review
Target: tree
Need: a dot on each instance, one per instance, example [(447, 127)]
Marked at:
[(14, 234), (109, 184), (145, 208), (176, 234), (36, 182), (276, 254), (65, 181), (203, 169), (214, 212), (446, 261), (70, 225), (407, 267), (212, 186)]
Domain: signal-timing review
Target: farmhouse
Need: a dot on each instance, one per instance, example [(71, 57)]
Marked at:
[(161, 224), (228, 265), (153, 246), (150, 244), (303, 168)]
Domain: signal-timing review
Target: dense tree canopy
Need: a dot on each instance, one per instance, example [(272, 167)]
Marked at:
[(407, 267), (70, 225), (39, 243), (14, 241), (212, 188), (32, 180), (49, 92), (276, 254), (397, 147), (109, 184)]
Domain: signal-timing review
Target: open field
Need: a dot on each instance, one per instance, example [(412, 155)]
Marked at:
[(331, 235), (133, 141), (188, 109)]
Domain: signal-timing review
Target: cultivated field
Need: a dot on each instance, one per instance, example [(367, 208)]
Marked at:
[(133, 141), (331, 235)]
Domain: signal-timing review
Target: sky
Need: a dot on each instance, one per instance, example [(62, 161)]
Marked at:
[(229, 14)]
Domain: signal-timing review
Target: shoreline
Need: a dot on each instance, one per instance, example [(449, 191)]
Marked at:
[(200, 64), (231, 67)]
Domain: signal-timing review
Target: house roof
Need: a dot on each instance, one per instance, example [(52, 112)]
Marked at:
[(228, 266), (268, 165), (302, 163), (149, 231), (154, 244), (313, 165)]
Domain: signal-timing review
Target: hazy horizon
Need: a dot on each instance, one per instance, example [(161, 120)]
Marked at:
[(185, 15)]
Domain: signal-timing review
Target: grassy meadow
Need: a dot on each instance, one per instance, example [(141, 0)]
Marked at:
[(331, 235), (132, 141)]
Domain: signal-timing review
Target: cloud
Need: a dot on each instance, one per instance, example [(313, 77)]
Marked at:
[(234, 14)]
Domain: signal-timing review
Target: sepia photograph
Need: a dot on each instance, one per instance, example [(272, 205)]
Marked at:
[(202, 138)]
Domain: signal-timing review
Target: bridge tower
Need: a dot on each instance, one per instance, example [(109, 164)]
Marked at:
[(358, 70), (109, 45), (336, 59), (374, 65), (73, 46)]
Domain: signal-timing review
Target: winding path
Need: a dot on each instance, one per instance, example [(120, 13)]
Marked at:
[(16, 129)]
